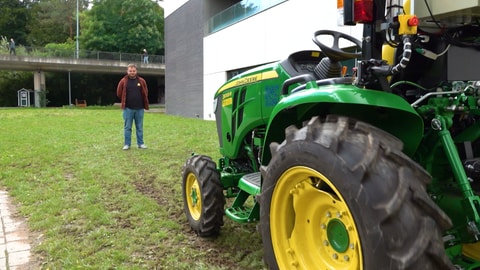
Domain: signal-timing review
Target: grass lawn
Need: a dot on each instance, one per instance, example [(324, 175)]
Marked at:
[(91, 205)]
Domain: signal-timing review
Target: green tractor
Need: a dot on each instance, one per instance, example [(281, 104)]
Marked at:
[(366, 157)]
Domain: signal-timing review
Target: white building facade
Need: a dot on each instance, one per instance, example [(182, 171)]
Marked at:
[(209, 41)]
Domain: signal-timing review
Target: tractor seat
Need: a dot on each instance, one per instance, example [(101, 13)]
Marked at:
[(301, 62)]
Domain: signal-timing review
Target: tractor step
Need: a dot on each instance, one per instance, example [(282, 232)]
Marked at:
[(249, 185), (240, 214)]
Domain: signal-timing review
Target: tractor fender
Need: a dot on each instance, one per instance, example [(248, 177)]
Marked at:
[(386, 111)]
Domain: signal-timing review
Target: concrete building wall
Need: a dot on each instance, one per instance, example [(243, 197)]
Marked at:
[(184, 60)]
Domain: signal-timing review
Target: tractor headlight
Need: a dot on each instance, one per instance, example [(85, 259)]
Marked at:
[(215, 101)]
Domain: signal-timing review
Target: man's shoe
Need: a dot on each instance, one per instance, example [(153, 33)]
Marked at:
[(126, 147), (142, 146)]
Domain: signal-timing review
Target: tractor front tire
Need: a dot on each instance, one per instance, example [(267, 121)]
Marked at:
[(202, 194), (340, 194)]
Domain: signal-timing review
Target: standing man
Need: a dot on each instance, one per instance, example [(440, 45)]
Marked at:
[(145, 56), (12, 47), (133, 93)]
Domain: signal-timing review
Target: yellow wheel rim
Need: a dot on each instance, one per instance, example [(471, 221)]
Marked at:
[(311, 225), (472, 251), (193, 196)]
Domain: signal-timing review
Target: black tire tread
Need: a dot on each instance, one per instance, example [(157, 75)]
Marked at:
[(398, 243), (213, 200)]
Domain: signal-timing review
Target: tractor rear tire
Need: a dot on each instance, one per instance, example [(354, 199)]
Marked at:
[(202, 194), (340, 194)]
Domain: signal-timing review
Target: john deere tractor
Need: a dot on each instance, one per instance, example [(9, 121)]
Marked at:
[(357, 157)]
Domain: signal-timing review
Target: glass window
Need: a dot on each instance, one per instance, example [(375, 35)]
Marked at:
[(238, 12)]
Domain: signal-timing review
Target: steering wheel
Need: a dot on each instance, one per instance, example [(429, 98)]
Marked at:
[(335, 53)]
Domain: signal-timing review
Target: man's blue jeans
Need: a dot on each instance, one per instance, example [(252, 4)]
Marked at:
[(130, 115)]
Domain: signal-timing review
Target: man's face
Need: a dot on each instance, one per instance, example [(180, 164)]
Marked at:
[(132, 72)]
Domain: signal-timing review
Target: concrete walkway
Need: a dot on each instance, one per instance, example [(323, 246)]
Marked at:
[(14, 241)]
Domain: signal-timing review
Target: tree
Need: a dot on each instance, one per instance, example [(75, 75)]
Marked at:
[(111, 25), (53, 21), (10, 83), (13, 23), (123, 26), (49, 23)]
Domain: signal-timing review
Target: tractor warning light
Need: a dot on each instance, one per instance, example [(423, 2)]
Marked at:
[(363, 11)]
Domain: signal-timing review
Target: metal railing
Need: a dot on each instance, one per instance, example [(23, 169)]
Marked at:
[(239, 12), (83, 54)]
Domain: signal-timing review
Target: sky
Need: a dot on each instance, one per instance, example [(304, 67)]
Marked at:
[(170, 5)]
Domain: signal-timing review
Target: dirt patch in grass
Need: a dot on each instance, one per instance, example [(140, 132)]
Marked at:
[(211, 250)]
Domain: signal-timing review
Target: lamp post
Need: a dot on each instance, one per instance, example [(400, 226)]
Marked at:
[(69, 91), (76, 43)]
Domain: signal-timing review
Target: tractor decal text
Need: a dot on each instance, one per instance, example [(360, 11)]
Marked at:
[(249, 79), (227, 99)]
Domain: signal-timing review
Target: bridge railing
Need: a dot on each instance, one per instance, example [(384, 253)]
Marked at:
[(84, 54)]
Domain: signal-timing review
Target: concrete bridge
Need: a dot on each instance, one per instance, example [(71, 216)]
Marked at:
[(97, 62)]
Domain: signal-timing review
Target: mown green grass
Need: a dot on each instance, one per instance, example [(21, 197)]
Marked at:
[(91, 205)]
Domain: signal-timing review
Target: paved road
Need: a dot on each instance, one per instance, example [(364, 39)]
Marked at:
[(14, 238)]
